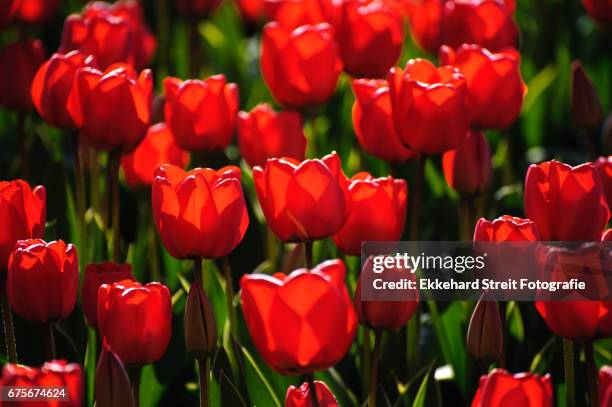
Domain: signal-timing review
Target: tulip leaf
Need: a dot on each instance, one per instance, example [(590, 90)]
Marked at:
[(154, 389), (260, 390), (428, 393), (515, 321)]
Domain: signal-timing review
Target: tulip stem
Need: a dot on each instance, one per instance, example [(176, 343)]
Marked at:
[(229, 295), (312, 390), (79, 191), (365, 363), (308, 253), (23, 140), (134, 373), (416, 202), (7, 318), (115, 161), (51, 340), (197, 271), (374, 369), (592, 374), (203, 367), (570, 390)]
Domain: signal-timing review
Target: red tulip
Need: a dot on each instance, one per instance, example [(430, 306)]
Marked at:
[(303, 201), (253, 11), (301, 66), (264, 133), (302, 322), (429, 106), (19, 62), (557, 196), (201, 114), (135, 320), (605, 385), (8, 8), (36, 11), (377, 212), (22, 212), (197, 8), (301, 397), (502, 389), (112, 108), (370, 35), (506, 228), (200, 213), (43, 279), (577, 320), (95, 276), (424, 18), (599, 10), (373, 121), (586, 107), (112, 33), (468, 168), (607, 235), (158, 147), (494, 83), (604, 168), (54, 373), (52, 83), (295, 13)]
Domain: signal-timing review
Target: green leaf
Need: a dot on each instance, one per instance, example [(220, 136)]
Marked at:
[(151, 388), (515, 321), (260, 390)]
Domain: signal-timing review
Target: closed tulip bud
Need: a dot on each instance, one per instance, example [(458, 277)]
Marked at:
[(600, 11), (200, 325), (52, 84), (300, 66), (25, 210), (468, 168), (494, 83), (303, 201), (112, 381), (377, 212), (586, 107), (604, 168), (485, 337), (201, 114), (302, 397), (113, 33), (506, 228), (429, 106), (36, 11), (95, 276), (605, 385), (200, 213), (158, 147), (112, 109), (51, 271), (197, 8), (135, 320), (264, 133), (54, 373), (502, 389), (297, 333), (370, 34), (373, 121), (554, 190), (19, 62)]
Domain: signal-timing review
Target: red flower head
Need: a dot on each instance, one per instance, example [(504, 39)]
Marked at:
[(111, 32), (54, 373), (506, 228), (377, 212), (301, 397), (303, 201), (502, 389), (23, 213), (468, 168), (201, 114), (252, 11), (157, 148), (36, 11), (135, 320), (95, 276), (605, 385), (300, 66), (600, 11), (604, 168), (424, 18), (19, 62), (295, 13), (8, 8), (112, 108), (373, 121), (370, 34), (494, 83), (43, 279), (264, 133), (429, 106), (200, 213), (197, 8), (488, 23), (302, 322), (555, 191), (52, 84)]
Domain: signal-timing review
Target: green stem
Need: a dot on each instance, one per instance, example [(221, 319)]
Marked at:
[(115, 161), (90, 365), (197, 270), (366, 362), (51, 339), (374, 369), (416, 201), (7, 318), (203, 367), (308, 254), (466, 223), (313, 390), (229, 295), (592, 374), (79, 192), (570, 388)]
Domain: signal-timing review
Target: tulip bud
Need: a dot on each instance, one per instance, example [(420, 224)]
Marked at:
[(200, 326), (468, 168), (112, 381), (19, 62), (586, 107), (485, 339)]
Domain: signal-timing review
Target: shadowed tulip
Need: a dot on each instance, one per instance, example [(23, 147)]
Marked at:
[(468, 169), (200, 325), (36, 11), (586, 107), (19, 62), (599, 10), (485, 336), (112, 381)]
